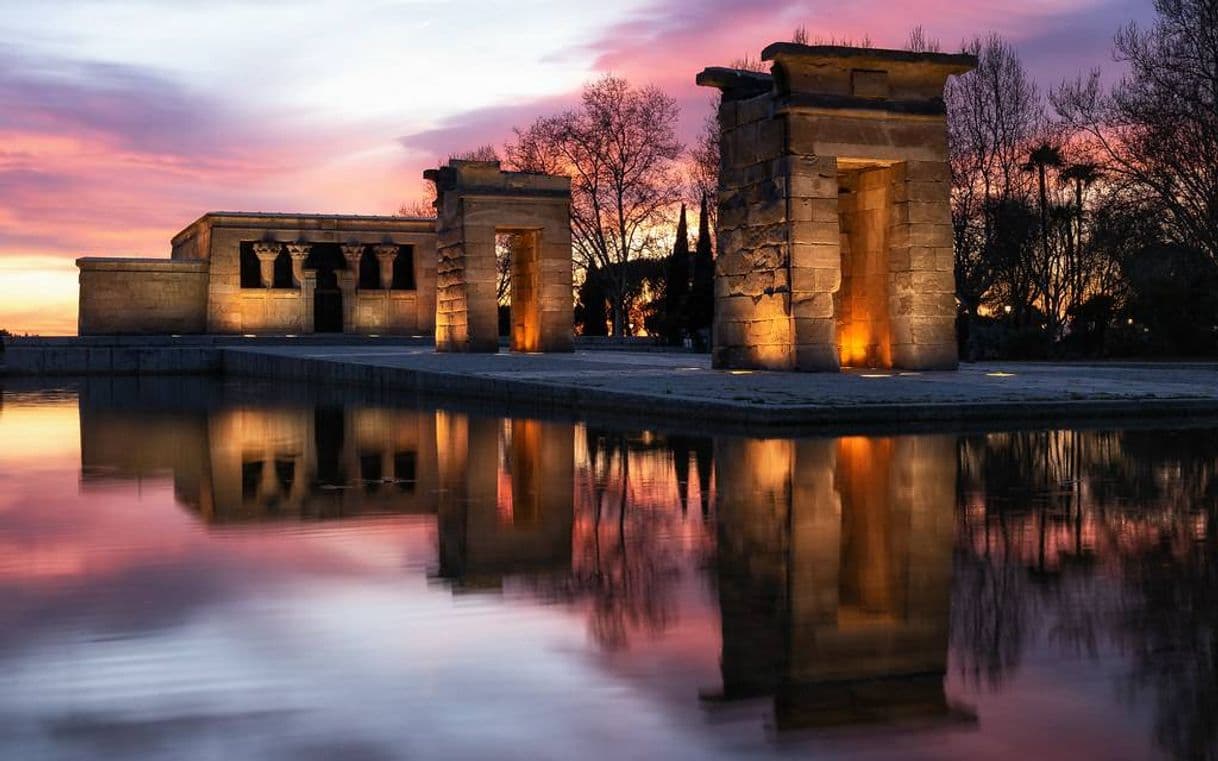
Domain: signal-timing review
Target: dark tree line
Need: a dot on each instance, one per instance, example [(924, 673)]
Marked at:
[(1086, 221)]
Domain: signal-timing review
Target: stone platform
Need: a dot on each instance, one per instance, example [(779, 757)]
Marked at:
[(639, 388), (681, 389)]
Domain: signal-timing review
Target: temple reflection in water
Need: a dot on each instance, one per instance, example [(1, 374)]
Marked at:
[(835, 560), (251, 464), (833, 554), (793, 583)]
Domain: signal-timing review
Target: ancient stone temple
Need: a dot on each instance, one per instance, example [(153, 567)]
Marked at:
[(232, 272), (478, 204), (835, 238)]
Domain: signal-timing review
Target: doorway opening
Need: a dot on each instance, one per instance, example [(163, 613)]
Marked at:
[(327, 260), (518, 283), (861, 304)]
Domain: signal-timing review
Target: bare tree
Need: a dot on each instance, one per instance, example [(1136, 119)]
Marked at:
[(704, 165), (749, 63), (620, 149), (1157, 129), (994, 115), (919, 42), (801, 36), (481, 153), (425, 205)]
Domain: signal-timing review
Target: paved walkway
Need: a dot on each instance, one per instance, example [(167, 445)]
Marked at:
[(683, 386)]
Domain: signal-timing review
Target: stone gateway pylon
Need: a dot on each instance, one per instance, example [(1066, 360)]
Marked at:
[(476, 203), (834, 231)]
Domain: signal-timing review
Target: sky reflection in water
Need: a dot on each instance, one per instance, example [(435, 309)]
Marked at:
[(200, 570)]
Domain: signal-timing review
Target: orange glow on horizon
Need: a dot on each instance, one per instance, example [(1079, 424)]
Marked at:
[(43, 435)]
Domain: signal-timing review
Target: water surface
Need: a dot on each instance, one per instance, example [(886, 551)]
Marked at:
[(195, 569)]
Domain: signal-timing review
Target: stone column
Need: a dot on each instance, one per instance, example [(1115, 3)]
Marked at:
[(353, 252), (267, 252), (921, 277), (347, 281), (385, 255), (299, 252), (308, 289)]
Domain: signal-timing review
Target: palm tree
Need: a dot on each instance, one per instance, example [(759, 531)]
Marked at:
[(1041, 158), (1082, 175)]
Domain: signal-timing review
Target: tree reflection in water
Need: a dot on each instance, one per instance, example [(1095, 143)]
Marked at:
[(631, 547), (1123, 521), (1087, 541)]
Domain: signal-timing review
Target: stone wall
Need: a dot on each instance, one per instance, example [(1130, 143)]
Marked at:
[(753, 326), (923, 290), (142, 296), (217, 238), (272, 310), (478, 201), (390, 312), (834, 217)]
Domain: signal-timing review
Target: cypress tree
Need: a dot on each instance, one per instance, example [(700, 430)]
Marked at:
[(590, 311), (676, 285), (702, 296)]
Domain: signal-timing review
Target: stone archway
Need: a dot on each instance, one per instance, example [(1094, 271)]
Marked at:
[(835, 238), (477, 202)]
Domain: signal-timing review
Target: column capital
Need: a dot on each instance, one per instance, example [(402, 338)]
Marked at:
[(264, 249), (352, 252), (267, 252), (385, 254), (299, 252)]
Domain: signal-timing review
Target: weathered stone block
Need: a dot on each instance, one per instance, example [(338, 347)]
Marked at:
[(813, 305), (817, 357), (925, 356), (817, 233), (907, 235), (851, 226)]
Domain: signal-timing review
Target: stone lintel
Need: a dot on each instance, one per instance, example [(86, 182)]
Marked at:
[(487, 178), (863, 79), (735, 84), (121, 264), (867, 58), (820, 103), (263, 221), (515, 195)]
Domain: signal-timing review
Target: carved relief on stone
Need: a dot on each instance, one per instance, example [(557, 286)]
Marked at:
[(385, 254), (299, 252), (267, 252)]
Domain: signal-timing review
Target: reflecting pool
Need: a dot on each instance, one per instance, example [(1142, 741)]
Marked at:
[(201, 569)]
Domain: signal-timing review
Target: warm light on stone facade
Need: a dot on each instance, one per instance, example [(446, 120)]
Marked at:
[(835, 242), (476, 202), (242, 273)]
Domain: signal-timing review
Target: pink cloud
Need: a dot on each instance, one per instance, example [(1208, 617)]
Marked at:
[(107, 159)]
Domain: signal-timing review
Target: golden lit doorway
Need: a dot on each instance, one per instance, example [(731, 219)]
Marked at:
[(518, 282)]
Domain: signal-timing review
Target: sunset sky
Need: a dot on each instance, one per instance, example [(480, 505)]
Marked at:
[(121, 121)]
